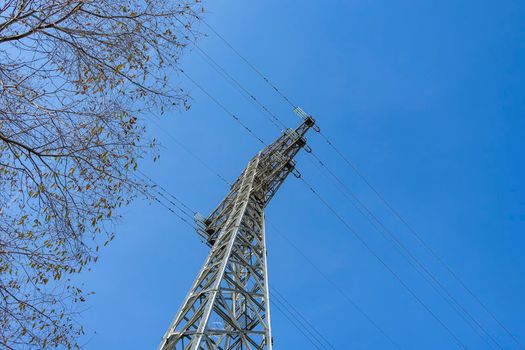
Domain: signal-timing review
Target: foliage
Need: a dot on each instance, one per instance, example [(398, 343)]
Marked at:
[(75, 77)]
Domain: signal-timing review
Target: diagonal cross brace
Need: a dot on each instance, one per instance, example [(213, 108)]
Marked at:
[(227, 307)]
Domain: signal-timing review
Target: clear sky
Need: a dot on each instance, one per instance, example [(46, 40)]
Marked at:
[(427, 98)]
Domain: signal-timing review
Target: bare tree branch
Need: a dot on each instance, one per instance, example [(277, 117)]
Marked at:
[(75, 77)]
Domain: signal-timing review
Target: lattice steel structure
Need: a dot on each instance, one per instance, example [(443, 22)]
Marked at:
[(228, 305)]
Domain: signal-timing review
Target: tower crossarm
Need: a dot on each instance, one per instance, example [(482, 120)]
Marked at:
[(276, 162), (277, 159)]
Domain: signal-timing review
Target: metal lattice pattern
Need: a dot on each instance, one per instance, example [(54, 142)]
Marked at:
[(228, 305)]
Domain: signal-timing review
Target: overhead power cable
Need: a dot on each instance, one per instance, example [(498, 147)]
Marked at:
[(241, 89), (283, 96), (185, 208), (416, 263), (385, 202), (336, 286), (218, 103), (297, 326), (381, 260), (249, 95), (153, 197), (253, 134), (300, 316), (187, 150), (384, 263), (187, 222), (302, 322), (420, 239)]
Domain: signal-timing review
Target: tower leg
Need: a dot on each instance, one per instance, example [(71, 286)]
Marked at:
[(228, 306)]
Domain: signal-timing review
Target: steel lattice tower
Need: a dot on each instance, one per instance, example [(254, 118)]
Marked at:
[(228, 305)]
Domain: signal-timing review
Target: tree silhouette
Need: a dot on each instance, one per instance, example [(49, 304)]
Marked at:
[(75, 78)]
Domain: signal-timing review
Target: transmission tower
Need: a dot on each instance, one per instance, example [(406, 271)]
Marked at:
[(228, 305)]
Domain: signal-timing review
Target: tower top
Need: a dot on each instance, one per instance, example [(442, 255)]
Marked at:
[(276, 162)]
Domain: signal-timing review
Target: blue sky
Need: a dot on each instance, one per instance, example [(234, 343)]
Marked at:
[(427, 98)]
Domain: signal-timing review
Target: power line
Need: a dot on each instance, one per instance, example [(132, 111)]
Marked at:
[(156, 199), (294, 310), (254, 135), (383, 262), (297, 326), (407, 254), (231, 79), (301, 320), (179, 216), (336, 286), (218, 103), (401, 281), (241, 89), (187, 150), (227, 111), (283, 96), (190, 212), (390, 207), (421, 240)]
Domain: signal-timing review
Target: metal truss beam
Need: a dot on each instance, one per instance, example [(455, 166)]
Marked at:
[(227, 307)]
